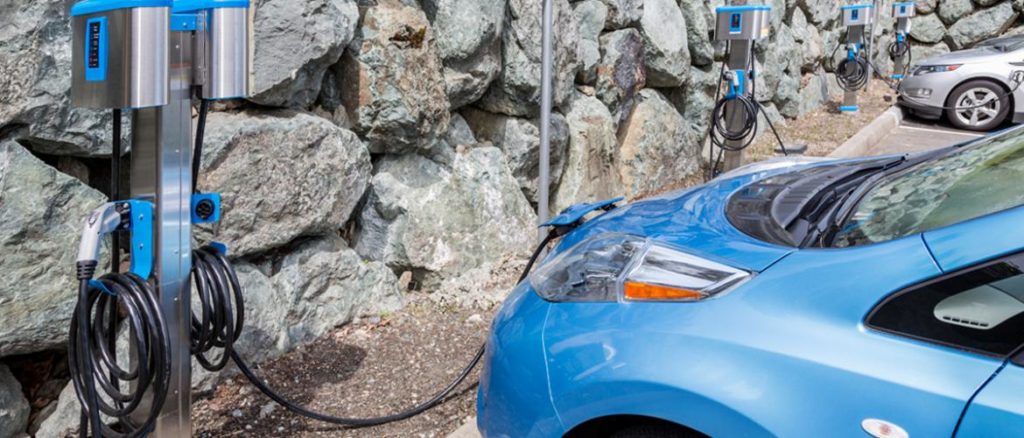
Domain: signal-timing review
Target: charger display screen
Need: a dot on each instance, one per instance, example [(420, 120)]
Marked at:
[(94, 44), (96, 49)]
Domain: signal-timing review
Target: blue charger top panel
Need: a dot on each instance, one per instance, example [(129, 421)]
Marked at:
[(860, 6), (727, 9), (86, 7), (181, 6)]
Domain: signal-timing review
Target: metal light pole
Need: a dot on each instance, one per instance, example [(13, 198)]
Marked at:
[(546, 92)]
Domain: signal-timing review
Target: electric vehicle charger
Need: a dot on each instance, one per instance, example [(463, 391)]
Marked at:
[(900, 49), (852, 72), (721, 134)]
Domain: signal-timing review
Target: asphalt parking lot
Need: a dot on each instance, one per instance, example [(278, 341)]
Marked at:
[(916, 134)]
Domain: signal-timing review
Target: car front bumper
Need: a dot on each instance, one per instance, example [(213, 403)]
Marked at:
[(514, 399), (930, 103)]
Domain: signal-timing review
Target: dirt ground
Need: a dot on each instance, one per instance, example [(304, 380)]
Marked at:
[(372, 367), (825, 129), (381, 365)]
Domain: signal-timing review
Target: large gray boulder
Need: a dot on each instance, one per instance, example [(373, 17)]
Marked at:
[(696, 100), (439, 222), (283, 175), (780, 68), (295, 43), (622, 72), (623, 13), (928, 29), (35, 83), (823, 13), (591, 15), (320, 285), (925, 51), (41, 217), (519, 140), (925, 7), (391, 81), (809, 39), (657, 147), (592, 160), (468, 38), (516, 91), (981, 25), (952, 10), (667, 52), (812, 95), (14, 409), (698, 31)]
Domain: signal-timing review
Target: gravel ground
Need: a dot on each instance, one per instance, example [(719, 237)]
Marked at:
[(369, 368), (825, 129)]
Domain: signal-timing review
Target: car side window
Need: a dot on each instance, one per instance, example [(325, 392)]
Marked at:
[(980, 309)]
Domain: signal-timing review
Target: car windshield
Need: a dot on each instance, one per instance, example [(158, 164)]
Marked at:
[(971, 182)]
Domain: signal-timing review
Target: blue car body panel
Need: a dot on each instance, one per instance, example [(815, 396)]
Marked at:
[(520, 406), (771, 358), (785, 354), (998, 410), (964, 244), (693, 219)]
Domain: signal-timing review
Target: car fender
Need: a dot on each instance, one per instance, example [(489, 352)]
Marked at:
[(659, 401)]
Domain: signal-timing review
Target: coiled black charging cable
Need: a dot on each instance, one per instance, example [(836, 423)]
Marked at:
[(727, 139), (899, 49), (96, 376)]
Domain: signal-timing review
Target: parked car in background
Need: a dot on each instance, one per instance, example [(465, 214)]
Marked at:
[(974, 89), (879, 296)]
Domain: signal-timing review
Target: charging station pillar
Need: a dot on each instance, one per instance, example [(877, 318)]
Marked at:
[(740, 26), (902, 12), (856, 18), (148, 57)]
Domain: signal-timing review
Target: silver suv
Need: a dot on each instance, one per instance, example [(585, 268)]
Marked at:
[(976, 89)]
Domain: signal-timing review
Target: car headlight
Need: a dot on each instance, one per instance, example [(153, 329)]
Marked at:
[(927, 69), (622, 267)]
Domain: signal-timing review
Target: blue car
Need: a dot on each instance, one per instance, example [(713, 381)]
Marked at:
[(880, 297)]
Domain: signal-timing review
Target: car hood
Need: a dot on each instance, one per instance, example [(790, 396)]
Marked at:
[(971, 56), (692, 220)]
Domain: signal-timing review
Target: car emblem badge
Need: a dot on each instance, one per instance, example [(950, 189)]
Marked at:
[(883, 429)]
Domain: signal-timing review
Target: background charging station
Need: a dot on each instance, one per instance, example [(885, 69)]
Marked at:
[(900, 50), (735, 116), (855, 70)]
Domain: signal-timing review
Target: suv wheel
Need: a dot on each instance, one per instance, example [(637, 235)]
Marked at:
[(978, 105)]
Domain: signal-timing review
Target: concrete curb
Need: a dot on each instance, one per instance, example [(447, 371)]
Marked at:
[(861, 143), (468, 430)]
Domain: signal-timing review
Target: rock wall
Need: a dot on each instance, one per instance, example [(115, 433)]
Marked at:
[(393, 144)]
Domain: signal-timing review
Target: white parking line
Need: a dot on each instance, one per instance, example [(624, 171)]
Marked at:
[(942, 131)]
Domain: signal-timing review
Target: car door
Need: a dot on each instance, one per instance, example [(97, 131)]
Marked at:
[(998, 409), (994, 242)]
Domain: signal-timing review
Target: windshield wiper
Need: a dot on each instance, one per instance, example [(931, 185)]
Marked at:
[(814, 219), (830, 225)]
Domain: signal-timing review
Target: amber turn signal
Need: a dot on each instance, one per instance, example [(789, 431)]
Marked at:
[(652, 292)]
